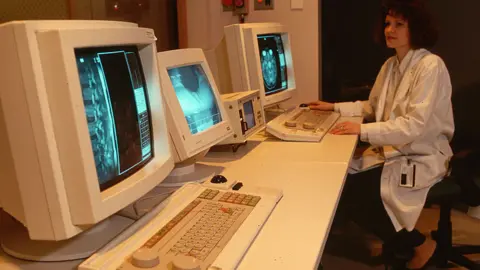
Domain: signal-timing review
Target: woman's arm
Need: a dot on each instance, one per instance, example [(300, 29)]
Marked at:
[(405, 129)]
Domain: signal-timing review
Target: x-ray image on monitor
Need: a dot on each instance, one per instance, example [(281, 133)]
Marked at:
[(272, 58), (117, 111), (196, 97)]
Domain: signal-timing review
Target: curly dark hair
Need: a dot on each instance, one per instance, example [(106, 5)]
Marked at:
[(423, 33)]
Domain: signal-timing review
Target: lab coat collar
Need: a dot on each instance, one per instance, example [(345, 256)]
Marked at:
[(410, 60), (401, 67)]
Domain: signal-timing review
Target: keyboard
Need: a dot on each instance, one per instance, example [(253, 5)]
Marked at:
[(214, 228), (302, 124)]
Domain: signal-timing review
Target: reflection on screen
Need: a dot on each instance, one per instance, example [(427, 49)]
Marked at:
[(196, 97), (249, 115), (272, 60), (117, 111)]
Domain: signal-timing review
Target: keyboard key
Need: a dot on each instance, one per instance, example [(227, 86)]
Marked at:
[(184, 250), (194, 252), (205, 251)]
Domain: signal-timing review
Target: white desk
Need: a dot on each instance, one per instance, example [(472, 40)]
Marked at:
[(311, 176), (295, 234)]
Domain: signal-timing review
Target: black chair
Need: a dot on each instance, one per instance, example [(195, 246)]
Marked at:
[(447, 193), (463, 185)]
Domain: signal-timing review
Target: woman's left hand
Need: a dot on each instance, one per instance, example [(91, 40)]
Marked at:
[(346, 128)]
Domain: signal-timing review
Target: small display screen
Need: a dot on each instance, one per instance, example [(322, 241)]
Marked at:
[(272, 60), (249, 114), (196, 97), (117, 111)]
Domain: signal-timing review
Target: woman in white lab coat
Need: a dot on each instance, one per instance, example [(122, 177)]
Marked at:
[(410, 112)]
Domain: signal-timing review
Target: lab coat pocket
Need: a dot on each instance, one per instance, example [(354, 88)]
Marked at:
[(400, 172), (412, 172)]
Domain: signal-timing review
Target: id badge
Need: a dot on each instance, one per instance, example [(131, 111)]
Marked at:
[(407, 179)]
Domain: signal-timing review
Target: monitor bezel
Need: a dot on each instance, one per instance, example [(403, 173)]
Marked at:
[(87, 203), (187, 144)]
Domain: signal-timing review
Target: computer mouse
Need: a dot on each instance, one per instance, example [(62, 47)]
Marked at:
[(218, 179), (303, 105)]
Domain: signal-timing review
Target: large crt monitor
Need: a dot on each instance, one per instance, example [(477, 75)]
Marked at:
[(196, 117), (260, 58), (83, 128)]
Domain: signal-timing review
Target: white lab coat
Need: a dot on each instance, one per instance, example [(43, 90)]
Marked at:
[(419, 125)]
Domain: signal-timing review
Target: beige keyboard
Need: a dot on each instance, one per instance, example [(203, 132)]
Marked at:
[(197, 234), (307, 119), (302, 124)]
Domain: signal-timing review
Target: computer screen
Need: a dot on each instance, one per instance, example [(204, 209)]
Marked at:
[(117, 110), (273, 64), (196, 97), (259, 57), (249, 114)]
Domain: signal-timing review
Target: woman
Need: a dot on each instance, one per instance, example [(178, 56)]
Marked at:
[(411, 112)]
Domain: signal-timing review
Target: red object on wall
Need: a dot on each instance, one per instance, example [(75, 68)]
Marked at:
[(239, 3), (227, 3)]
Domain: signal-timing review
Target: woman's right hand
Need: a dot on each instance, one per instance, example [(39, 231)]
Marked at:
[(321, 106)]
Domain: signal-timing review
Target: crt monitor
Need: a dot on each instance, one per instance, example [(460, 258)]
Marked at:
[(196, 117), (85, 131), (260, 57)]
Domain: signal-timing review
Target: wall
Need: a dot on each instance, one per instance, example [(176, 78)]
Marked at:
[(161, 16), (459, 41), (33, 9), (351, 58), (206, 19)]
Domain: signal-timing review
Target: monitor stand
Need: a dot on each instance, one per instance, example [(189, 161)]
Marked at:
[(17, 243), (189, 171)]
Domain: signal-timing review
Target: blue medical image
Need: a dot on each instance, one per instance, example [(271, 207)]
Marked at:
[(196, 97), (117, 111), (249, 114), (272, 60)]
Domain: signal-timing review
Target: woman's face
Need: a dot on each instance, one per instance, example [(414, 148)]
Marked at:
[(396, 32)]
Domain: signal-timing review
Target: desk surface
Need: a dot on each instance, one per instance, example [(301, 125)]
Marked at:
[(296, 232), (311, 176)]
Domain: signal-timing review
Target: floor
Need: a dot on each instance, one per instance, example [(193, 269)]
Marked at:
[(350, 250)]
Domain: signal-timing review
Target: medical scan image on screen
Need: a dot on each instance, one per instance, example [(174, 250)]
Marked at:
[(249, 114), (196, 97), (272, 60), (117, 111)]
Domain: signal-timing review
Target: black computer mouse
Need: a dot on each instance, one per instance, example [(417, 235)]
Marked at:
[(218, 179), (303, 105)]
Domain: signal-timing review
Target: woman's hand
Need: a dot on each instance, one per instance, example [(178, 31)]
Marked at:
[(321, 106), (346, 128)]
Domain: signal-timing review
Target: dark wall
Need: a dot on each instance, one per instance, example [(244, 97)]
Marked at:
[(459, 40), (351, 59), (161, 16)]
